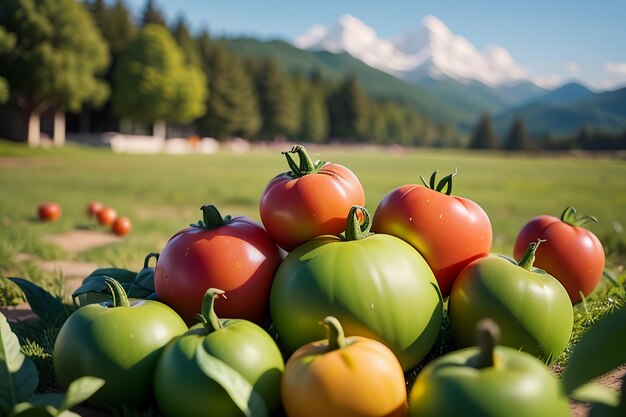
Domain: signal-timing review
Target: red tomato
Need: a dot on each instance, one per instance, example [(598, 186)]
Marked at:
[(106, 216), (570, 253), (121, 226), (449, 231), (94, 208), (233, 254), (311, 200), (49, 212)]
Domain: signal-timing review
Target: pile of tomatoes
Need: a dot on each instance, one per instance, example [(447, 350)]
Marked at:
[(349, 299), (106, 216)]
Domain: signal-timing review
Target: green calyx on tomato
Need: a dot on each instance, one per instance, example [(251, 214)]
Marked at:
[(306, 166), (119, 342), (487, 379), (215, 364), (531, 307), (445, 182), (377, 285), (212, 218), (570, 217)]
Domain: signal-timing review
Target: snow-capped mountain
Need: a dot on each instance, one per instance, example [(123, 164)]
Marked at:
[(432, 50)]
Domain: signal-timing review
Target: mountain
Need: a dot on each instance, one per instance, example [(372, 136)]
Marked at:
[(336, 66), (565, 94), (559, 116), (430, 51)]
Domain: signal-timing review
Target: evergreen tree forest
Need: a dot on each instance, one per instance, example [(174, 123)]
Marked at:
[(153, 74)]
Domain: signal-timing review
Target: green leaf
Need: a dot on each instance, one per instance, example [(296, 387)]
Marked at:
[(49, 308), (600, 350), (80, 390), (18, 374), (238, 388), (596, 394), (27, 409)]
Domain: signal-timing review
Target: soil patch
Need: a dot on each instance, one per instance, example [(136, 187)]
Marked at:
[(76, 241)]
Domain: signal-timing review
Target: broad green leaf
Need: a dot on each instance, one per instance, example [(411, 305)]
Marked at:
[(49, 308), (238, 388), (600, 350), (121, 275), (27, 409), (18, 374), (80, 390), (596, 394), (54, 399)]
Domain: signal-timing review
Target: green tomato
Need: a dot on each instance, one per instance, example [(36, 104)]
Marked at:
[(118, 343), (489, 380), (377, 285), (531, 307), (182, 389)]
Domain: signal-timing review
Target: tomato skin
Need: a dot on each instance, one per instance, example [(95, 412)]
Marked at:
[(362, 378), (571, 254), (183, 390), (106, 216), (121, 226), (449, 231), (119, 344), (377, 286), (238, 257), (295, 210), (93, 208), (49, 212)]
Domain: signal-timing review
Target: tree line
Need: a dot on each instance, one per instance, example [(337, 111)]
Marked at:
[(107, 71)]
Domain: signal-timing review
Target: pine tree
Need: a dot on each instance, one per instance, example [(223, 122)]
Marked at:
[(232, 107), (484, 137), (186, 42), (314, 116), (518, 138), (276, 97), (152, 14), (348, 107)]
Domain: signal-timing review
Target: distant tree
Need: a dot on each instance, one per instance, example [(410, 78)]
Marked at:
[(55, 62), (484, 137), (348, 110), (232, 107), (7, 43), (152, 14), (187, 43), (518, 138), (154, 85), (118, 27), (277, 101), (314, 116)]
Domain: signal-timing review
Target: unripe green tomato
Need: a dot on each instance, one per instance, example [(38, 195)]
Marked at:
[(182, 389), (119, 344), (487, 381)]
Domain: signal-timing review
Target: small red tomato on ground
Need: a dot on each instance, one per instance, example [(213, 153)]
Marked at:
[(49, 212), (106, 216), (309, 201), (93, 208), (121, 226), (571, 253)]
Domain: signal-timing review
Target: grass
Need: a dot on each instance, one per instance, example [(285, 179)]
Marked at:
[(163, 194)]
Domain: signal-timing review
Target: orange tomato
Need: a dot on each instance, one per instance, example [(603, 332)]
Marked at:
[(106, 216), (121, 226), (347, 377)]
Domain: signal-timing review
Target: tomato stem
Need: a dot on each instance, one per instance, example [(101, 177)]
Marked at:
[(336, 336), (120, 299), (487, 337), (355, 230), (306, 166), (528, 258), (444, 183), (212, 219), (570, 217), (208, 318)]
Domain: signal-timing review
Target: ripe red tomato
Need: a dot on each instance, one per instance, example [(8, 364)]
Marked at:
[(106, 216), (449, 231), (570, 253), (121, 226), (311, 200), (49, 212), (233, 254), (93, 208)]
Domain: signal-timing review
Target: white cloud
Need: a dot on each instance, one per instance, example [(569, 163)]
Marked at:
[(616, 68), (547, 81)]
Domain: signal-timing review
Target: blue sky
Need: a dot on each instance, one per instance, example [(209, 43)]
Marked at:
[(575, 39)]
